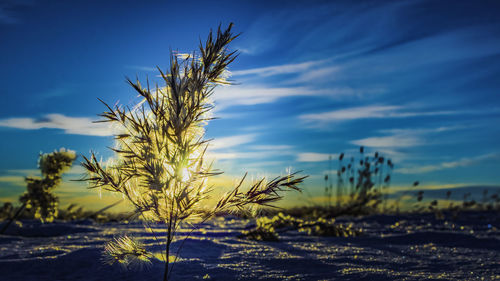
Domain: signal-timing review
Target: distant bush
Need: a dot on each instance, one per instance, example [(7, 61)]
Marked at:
[(268, 228), (6, 211), (39, 199), (448, 208), (361, 183)]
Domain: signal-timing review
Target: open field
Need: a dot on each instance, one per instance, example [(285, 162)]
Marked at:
[(406, 247)]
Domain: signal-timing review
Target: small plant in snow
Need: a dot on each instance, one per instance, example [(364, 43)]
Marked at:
[(160, 165), (128, 252)]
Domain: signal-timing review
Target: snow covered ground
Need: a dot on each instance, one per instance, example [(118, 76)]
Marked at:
[(413, 247)]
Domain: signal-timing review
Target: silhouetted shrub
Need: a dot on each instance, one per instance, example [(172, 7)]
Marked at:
[(361, 183), (39, 199)]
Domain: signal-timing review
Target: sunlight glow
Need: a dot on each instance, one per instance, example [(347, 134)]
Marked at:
[(185, 175)]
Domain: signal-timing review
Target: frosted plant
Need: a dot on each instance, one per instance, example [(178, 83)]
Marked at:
[(39, 197), (126, 251), (159, 165)]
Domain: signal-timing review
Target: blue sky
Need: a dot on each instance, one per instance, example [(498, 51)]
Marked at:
[(415, 80)]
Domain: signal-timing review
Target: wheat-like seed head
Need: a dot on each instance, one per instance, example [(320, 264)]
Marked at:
[(126, 251)]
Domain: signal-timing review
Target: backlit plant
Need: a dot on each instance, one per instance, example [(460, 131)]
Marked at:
[(160, 165)]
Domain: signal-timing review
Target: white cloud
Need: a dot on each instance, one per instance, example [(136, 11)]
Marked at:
[(272, 147), (70, 125), (424, 130), (279, 69), (235, 147), (28, 172), (228, 96), (252, 94), (13, 180), (260, 164), (464, 162), (258, 154), (236, 155), (401, 138), (314, 74), (238, 95), (223, 148), (396, 155), (231, 141), (396, 141), (327, 172), (352, 113), (305, 75), (142, 68), (75, 170), (314, 157), (374, 111)]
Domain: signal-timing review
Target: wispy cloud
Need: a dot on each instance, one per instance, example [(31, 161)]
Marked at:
[(279, 69), (272, 147), (384, 111), (260, 94), (314, 157), (238, 147), (70, 125), (371, 111), (229, 147), (141, 68), (13, 180), (463, 162), (239, 95), (217, 155), (315, 74), (399, 138), (75, 170), (231, 141), (441, 129), (393, 142), (247, 154), (396, 141), (352, 113), (25, 172), (419, 50)]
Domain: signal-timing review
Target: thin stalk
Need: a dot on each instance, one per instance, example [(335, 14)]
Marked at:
[(329, 183), (167, 250), (169, 240), (339, 182), (184, 240)]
